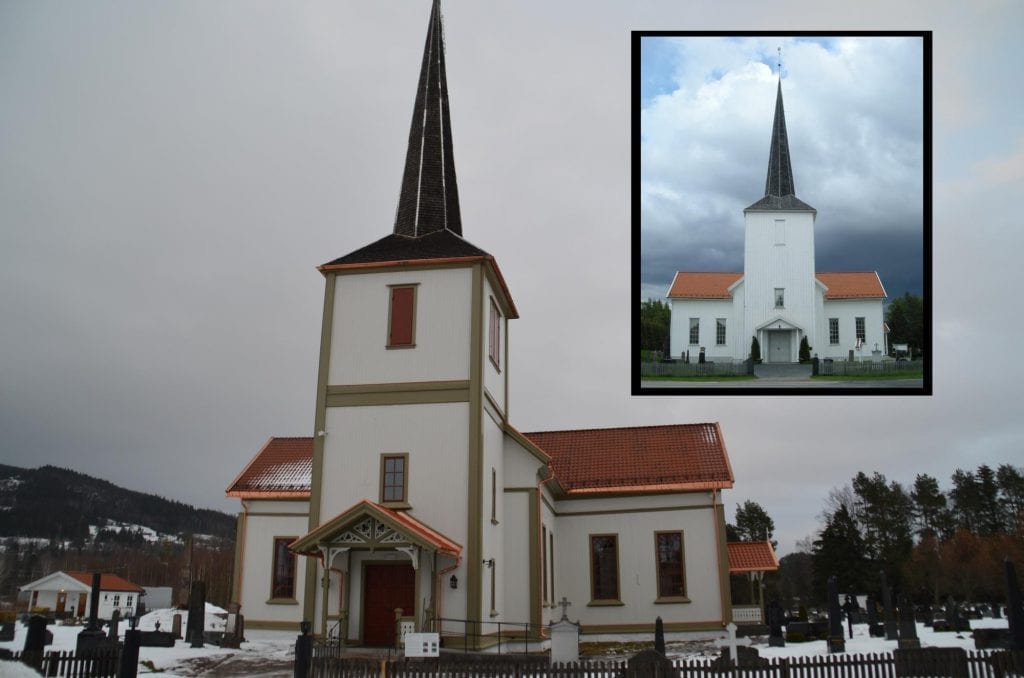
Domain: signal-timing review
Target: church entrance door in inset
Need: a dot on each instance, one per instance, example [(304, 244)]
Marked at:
[(62, 601), (386, 586), (778, 347)]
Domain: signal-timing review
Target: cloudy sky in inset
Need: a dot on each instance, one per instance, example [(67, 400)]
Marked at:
[(171, 174)]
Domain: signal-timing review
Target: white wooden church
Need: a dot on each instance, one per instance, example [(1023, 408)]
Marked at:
[(418, 506), (779, 297)]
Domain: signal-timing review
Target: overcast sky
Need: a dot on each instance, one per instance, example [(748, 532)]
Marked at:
[(171, 173), (855, 125)]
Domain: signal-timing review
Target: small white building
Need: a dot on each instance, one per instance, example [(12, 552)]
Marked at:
[(68, 594), (779, 297)]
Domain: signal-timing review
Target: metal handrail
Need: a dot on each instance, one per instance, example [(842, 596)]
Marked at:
[(526, 626)]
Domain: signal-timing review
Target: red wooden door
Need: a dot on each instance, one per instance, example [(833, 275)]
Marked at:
[(385, 587)]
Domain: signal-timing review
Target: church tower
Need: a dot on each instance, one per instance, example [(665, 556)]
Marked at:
[(779, 285), (411, 396)]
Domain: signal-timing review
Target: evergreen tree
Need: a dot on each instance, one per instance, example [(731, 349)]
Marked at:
[(905, 317), (884, 510), (990, 516), (1011, 496), (755, 350), (655, 317), (840, 550), (931, 514), (805, 350), (965, 497), (754, 524)]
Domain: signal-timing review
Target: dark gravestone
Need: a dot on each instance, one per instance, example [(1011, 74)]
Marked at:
[(92, 636), (35, 641), (1014, 607), (926, 616), (113, 629), (130, 654), (659, 636), (931, 662), (835, 618), (908, 626), (6, 632), (156, 639), (890, 614), (849, 609), (775, 619), (175, 626), (747, 658), (875, 629), (196, 614), (303, 651), (649, 664), (991, 639)]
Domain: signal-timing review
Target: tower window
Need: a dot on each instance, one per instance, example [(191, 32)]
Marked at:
[(720, 331), (394, 479), (780, 231), (494, 336), (694, 331), (861, 337), (402, 316), (833, 331), (780, 297)]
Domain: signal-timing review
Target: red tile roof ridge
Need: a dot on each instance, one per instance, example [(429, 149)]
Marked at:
[(623, 428), (108, 582)]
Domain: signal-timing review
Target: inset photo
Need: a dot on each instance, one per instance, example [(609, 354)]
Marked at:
[(781, 213)]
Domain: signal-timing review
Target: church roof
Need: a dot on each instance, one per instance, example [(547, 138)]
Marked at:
[(844, 285), (698, 285), (282, 469), (751, 556), (637, 460), (779, 187)]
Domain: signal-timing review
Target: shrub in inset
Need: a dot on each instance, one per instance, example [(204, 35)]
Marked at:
[(755, 350), (805, 351)]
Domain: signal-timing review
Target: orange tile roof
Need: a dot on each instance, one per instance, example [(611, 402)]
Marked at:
[(400, 521), (751, 556), (852, 285), (845, 285), (282, 469), (108, 582), (697, 285), (637, 460)]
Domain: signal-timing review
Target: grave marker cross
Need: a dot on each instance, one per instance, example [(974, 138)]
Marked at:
[(565, 606)]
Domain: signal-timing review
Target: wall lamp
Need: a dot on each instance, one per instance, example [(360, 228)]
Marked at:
[(489, 562), (453, 582)]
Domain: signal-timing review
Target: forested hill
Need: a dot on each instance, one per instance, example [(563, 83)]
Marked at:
[(67, 506)]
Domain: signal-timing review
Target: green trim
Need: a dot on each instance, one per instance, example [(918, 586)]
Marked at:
[(649, 628), (723, 568), (475, 495), (671, 599), (604, 512), (606, 603), (520, 489), (281, 601), (236, 570), (399, 387), (319, 424), (492, 410), (279, 515), (400, 397), (533, 517)]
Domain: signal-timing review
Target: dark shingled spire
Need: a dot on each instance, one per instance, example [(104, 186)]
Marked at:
[(429, 199), (779, 188)]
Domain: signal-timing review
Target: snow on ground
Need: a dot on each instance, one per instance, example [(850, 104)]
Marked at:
[(270, 654), (216, 618)]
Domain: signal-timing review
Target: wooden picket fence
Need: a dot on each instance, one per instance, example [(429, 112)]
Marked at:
[(927, 663), (101, 663)]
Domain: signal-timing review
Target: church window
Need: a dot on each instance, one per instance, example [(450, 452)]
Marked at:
[(780, 231), (283, 584), (720, 331), (394, 481), (402, 316), (604, 568), (494, 496), (833, 331), (694, 331), (780, 297), (494, 345), (544, 563), (551, 566), (860, 331), (671, 573)]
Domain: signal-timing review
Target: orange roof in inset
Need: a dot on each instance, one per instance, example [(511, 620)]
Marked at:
[(108, 582), (283, 469), (844, 285), (852, 285), (637, 460), (697, 285), (751, 556), (400, 521)]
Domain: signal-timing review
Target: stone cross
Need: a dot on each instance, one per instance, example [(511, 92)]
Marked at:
[(565, 606), (732, 643)]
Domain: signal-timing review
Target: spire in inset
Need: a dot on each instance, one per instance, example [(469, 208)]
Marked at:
[(780, 173), (429, 199)]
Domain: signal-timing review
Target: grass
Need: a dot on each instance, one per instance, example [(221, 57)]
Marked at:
[(869, 377)]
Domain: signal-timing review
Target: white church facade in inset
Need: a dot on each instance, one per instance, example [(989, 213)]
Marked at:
[(779, 298)]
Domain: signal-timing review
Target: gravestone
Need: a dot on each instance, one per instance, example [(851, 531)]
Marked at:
[(35, 641), (849, 609), (115, 622), (649, 664), (908, 626), (565, 637), (891, 632), (875, 628), (129, 664), (775, 618), (196, 614), (836, 643), (659, 635), (6, 631), (92, 636), (232, 637), (175, 626), (1014, 607)]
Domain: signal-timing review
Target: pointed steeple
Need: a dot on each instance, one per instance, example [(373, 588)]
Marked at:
[(429, 198), (780, 173), (779, 187)]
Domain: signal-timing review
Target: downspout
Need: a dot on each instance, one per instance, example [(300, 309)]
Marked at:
[(439, 601), (240, 552), (718, 556), (540, 535)]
